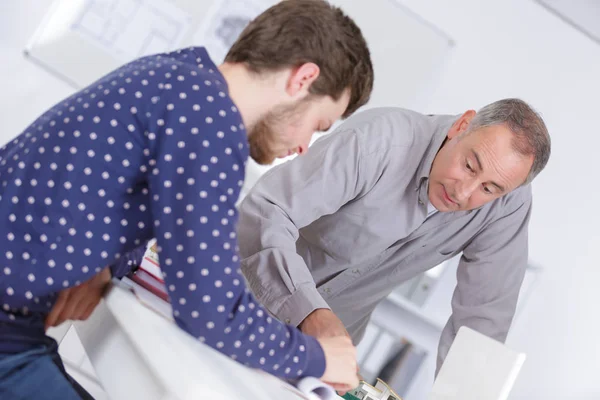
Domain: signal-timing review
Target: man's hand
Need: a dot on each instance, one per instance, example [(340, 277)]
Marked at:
[(341, 367), (77, 303), (323, 323)]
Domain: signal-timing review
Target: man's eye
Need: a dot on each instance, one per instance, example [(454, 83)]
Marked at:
[(487, 190)]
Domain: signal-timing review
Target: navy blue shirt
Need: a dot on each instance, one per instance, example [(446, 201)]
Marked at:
[(156, 148)]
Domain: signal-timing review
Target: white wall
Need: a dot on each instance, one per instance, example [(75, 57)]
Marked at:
[(26, 90), (503, 48), (516, 48)]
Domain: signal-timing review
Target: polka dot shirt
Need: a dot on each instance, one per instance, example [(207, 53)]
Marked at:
[(157, 149)]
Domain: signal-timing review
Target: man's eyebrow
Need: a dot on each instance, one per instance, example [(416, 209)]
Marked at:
[(500, 187)]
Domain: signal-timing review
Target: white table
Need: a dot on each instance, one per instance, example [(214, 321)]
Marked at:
[(139, 354)]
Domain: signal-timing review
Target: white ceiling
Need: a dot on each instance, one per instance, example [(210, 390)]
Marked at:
[(584, 15)]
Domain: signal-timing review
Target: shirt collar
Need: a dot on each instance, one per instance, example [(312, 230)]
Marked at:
[(440, 124), (204, 59)]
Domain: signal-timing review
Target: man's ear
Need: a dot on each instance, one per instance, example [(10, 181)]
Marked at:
[(300, 80), (461, 124)]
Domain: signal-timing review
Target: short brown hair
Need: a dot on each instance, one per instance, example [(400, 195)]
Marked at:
[(294, 32)]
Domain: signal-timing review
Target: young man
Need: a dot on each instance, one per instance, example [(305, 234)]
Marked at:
[(388, 196), (157, 148)]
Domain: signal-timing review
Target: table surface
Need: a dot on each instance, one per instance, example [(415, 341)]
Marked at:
[(157, 356)]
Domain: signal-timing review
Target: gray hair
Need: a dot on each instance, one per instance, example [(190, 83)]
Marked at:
[(531, 134)]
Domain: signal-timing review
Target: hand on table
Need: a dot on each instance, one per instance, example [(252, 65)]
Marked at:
[(340, 358), (340, 355), (78, 302)]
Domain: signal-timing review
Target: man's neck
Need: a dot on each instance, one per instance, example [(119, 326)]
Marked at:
[(253, 95)]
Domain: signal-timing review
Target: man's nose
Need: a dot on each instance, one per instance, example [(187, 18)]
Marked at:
[(465, 189)]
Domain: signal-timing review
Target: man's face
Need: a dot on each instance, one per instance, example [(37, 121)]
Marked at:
[(287, 129), (474, 168)]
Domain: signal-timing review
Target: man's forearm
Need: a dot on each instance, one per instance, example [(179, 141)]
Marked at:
[(323, 322)]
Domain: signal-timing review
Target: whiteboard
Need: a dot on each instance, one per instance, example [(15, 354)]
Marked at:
[(81, 40)]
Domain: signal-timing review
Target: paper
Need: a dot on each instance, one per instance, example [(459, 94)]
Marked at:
[(129, 29), (308, 388), (149, 299), (224, 23), (316, 390)]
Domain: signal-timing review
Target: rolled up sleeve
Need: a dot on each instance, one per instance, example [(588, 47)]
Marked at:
[(286, 199)]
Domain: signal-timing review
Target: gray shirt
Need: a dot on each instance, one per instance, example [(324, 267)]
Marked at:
[(343, 225)]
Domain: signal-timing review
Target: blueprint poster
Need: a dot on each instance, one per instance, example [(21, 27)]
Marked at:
[(128, 29), (224, 23)]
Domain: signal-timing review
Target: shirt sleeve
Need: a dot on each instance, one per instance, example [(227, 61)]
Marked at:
[(286, 199), (195, 174), (490, 274)]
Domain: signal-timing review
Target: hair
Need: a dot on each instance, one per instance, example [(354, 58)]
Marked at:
[(531, 134), (294, 32)]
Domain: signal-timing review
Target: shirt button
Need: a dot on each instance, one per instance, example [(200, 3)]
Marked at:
[(355, 270), (420, 202), (327, 290), (288, 321)]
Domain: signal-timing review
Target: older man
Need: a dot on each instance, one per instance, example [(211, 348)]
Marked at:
[(390, 194)]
